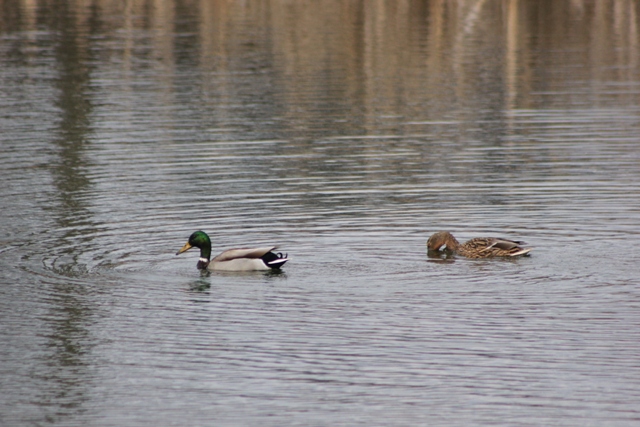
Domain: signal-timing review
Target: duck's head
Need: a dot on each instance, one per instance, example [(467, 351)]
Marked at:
[(201, 240), (438, 240)]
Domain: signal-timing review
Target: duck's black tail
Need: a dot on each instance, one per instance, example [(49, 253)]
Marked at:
[(274, 260)]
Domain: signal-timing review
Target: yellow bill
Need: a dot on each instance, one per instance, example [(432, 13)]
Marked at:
[(185, 248)]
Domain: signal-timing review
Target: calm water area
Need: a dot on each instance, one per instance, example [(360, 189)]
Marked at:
[(346, 132)]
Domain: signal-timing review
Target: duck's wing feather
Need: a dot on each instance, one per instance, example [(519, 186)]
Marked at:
[(503, 244), (251, 253), (510, 247)]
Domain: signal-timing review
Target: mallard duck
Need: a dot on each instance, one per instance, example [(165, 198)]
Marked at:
[(480, 247), (245, 259)]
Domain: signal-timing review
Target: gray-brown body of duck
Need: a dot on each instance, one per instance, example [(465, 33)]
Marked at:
[(479, 247)]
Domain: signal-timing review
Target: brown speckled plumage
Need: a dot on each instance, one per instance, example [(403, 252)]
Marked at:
[(480, 247)]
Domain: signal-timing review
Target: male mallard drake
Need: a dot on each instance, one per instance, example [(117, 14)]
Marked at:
[(480, 247), (233, 259)]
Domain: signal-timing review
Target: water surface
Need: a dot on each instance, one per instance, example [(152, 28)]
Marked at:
[(346, 133)]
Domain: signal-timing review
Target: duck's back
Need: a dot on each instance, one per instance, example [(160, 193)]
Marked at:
[(487, 247), (245, 259)]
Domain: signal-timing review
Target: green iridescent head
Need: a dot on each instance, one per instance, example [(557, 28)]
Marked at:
[(201, 240)]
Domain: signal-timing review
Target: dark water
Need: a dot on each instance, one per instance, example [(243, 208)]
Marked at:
[(347, 133)]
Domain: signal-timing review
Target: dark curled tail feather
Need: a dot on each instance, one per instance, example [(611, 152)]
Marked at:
[(274, 260)]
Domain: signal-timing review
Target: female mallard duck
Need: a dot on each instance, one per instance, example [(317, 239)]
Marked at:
[(233, 259), (480, 247)]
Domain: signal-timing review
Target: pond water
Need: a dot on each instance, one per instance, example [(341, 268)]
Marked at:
[(346, 133)]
